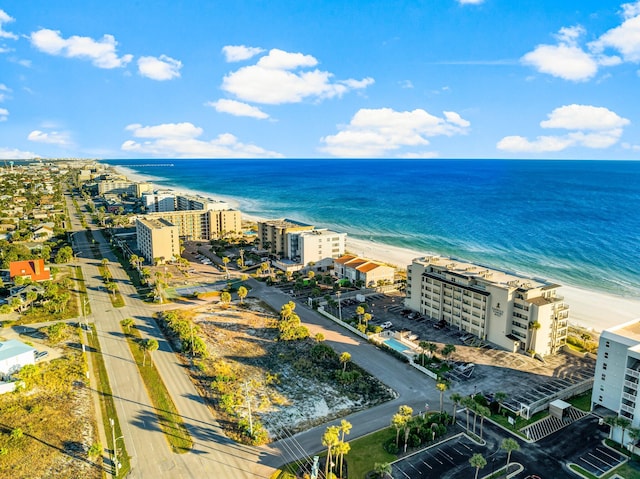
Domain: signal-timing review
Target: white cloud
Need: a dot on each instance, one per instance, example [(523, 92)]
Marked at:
[(272, 80), (583, 117), (237, 108), (180, 140), (405, 84), (52, 137), (629, 146), (4, 89), (624, 38), (14, 154), (568, 62), (237, 53), (4, 114), (470, 2), (377, 132), (102, 53), (161, 68), (5, 18), (589, 127)]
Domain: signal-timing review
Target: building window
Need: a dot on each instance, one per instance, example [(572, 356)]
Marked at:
[(603, 377), (599, 398), (606, 355), (606, 344), (601, 387), (604, 366)]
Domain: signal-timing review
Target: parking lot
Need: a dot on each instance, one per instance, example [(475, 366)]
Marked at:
[(493, 369), (599, 460)]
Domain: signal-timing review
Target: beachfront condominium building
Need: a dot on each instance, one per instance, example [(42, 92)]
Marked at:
[(272, 235), (363, 271), (315, 246), (617, 373), (158, 239), (159, 201), (202, 224), (190, 202), (512, 311)]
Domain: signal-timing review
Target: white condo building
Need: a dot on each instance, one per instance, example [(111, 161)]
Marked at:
[(159, 201), (615, 385), (512, 311), (314, 246)]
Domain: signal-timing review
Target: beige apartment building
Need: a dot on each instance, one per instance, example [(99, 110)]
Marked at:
[(512, 311), (157, 238), (201, 224), (272, 235)]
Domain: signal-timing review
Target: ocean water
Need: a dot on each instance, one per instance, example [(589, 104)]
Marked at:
[(575, 222)]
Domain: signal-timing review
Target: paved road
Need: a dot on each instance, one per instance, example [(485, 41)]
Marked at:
[(213, 455)]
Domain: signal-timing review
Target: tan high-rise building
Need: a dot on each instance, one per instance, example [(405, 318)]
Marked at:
[(272, 235), (510, 310), (202, 224), (157, 238)]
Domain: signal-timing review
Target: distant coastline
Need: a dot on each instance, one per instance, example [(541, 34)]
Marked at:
[(589, 307)]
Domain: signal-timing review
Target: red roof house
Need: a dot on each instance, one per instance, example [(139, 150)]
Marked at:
[(33, 269)]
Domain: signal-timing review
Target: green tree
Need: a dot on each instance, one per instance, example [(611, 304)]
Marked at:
[(509, 445), (359, 313), (344, 360), (484, 412), (423, 345), (533, 327), (242, 293), (623, 423), (500, 397), (432, 348), (447, 350), (478, 462), (442, 386), (225, 298), (329, 439), (148, 346), (455, 398), (382, 469), (225, 261), (127, 323)]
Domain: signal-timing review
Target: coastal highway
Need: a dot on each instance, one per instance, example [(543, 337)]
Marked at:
[(213, 454)]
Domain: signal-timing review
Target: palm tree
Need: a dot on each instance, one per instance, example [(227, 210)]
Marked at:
[(242, 293), (127, 323), (329, 439), (344, 359), (484, 412), (383, 469), (447, 350), (611, 422), (442, 386), (398, 421), (534, 326), (467, 402), (456, 398), (623, 423), (500, 397), (432, 348), (225, 298), (226, 260), (509, 445), (478, 462), (345, 428), (359, 312), (423, 345), (634, 434), (148, 346), (341, 449), (366, 317)]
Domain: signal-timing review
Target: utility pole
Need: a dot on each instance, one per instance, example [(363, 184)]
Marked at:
[(248, 401), (113, 445), (191, 328)]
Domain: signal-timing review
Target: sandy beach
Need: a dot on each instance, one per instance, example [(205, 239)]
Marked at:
[(590, 309)]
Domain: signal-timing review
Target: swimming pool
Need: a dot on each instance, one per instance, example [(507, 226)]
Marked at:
[(397, 345)]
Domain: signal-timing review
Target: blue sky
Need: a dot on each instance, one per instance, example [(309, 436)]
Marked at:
[(313, 79)]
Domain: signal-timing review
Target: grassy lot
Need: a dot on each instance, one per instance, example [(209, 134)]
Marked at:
[(368, 450), (107, 406), (168, 417), (47, 428), (582, 402)]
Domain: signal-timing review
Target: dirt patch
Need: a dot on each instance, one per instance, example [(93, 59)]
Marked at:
[(288, 385)]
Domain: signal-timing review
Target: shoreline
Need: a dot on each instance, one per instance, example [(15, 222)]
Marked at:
[(590, 309)]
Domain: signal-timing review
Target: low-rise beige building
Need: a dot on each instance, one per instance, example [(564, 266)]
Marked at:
[(362, 270), (512, 311)]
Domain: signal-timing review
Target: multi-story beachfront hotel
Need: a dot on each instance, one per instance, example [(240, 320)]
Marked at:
[(617, 374), (514, 312)]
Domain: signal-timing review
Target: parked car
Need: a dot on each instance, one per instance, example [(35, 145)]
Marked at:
[(440, 324), (386, 325), (41, 354)]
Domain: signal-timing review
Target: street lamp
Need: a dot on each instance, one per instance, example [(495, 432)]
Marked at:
[(116, 464), (338, 294)]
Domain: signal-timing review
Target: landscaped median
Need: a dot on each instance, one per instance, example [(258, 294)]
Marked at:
[(107, 405), (168, 417)]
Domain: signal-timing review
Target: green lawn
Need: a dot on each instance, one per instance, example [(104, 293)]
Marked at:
[(168, 417), (368, 450)]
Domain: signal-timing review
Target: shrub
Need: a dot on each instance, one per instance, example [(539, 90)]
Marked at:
[(391, 447)]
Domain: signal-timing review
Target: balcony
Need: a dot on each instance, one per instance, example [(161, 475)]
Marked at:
[(633, 373), (631, 385), (624, 407), (629, 397)]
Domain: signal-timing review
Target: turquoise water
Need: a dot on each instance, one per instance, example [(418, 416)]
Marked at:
[(397, 345), (574, 222)]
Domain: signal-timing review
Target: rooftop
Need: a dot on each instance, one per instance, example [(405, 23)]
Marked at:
[(12, 348), (629, 330), (485, 273)]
